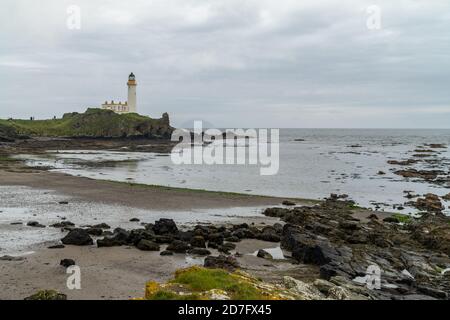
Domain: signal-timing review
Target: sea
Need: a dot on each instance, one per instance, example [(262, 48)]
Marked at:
[(313, 163)]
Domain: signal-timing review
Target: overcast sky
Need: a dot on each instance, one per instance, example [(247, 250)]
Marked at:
[(233, 63)]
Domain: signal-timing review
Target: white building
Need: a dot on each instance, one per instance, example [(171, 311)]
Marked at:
[(128, 106)]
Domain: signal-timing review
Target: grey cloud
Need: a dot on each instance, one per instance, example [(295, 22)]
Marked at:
[(245, 63)]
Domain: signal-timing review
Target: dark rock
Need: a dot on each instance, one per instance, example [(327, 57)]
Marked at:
[(243, 234), (57, 246), (63, 202), (134, 220), (269, 234), (119, 237), (63, 224), (164, 239), (232, 239), (264, 254), (184, 235), (221, 262), (165, 226), (35, 224), (95, 231), (67, 263), (199, 251), (226, 247), (101, 226), (178, 246), (166, 253), (288, 203), (137, 235), (215, 240), (198, 241), (276, 212), (146, 245), (77, 237)]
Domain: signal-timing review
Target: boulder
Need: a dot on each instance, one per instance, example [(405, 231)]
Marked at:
[(119, 237), (63, 224), (226, 247), (35, 224), (77, 237), (146, 245), (276, 212), (97, 232), (178, 246), (243, 233), (264, 254), (199, 252), (288, 203), (269, 234), (221, 262), (67, 263), (101, 226), (137, 235), (184, 235), (215, 240), (164, 239), (232, 239), (165, 226), (198, 241)]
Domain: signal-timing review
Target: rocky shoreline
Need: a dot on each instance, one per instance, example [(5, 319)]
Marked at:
[(334, 246), (341, 241)]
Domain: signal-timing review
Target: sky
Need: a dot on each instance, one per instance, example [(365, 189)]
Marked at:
[(232, 63)]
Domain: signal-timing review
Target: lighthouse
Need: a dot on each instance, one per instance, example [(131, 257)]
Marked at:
[(128, 106), (132, 93)]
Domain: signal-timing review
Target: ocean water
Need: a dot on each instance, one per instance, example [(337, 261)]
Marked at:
[(343, 161)]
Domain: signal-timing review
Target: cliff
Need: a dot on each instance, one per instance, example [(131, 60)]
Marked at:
[(94, 123)]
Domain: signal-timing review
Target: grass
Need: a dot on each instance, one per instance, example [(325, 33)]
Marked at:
[(354, 206), (200, 279), (402, 218)]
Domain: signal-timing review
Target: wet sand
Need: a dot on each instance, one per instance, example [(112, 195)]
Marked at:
[(136, 196), (119, 272)]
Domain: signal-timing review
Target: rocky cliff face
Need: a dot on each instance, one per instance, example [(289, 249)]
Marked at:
[(107, 124)]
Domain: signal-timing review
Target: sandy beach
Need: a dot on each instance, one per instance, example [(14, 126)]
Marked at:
[(118, 272)]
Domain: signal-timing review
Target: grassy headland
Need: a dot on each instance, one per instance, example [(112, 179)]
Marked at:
[(94, 123)]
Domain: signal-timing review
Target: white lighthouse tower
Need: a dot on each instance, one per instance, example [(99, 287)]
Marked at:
[(128, 106), (132, 93)]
